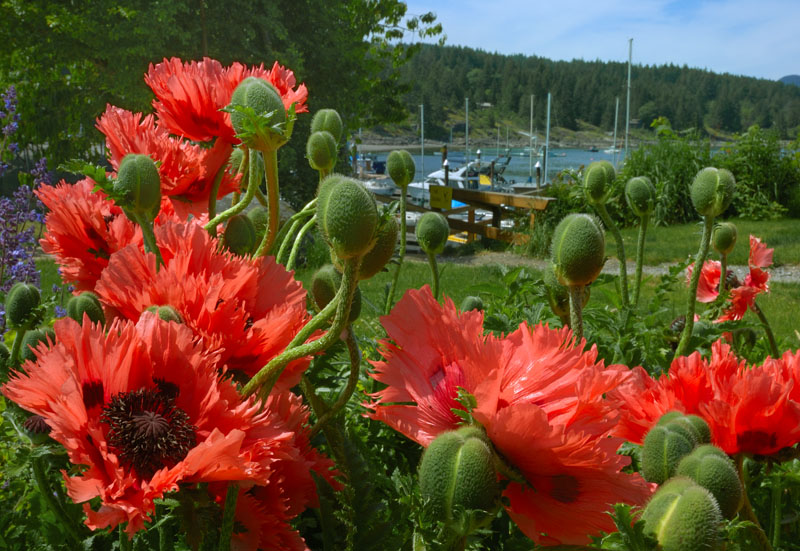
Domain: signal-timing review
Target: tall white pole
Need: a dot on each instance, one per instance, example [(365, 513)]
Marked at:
[(497, 153), (466, 152), (422, 139), (614, 147), (628, 107), (547, 139), (530, 146)]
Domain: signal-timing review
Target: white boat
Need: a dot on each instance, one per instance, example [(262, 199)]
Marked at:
[(383, 187)]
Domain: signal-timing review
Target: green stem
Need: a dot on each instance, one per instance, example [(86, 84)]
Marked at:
[(623, 268), (124, 540), (773, 346), (13, 359), (212, 199), (40, 476), (640, 258), (402, 255), (686, 336), (271, 173), (211, 226), (228, 515), (723, 273), (268, 375), (166, 537), (284, 232), (434, 274), (261, 197), (746, 511), (352, 380), (150, 245), (576, 311), (777, 512), (287, 239), (299, 239)]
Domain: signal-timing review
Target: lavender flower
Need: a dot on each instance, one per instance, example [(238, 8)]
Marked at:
[(40, 173), (60, 311)]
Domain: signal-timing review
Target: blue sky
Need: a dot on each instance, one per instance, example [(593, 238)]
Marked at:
[(758, 38)]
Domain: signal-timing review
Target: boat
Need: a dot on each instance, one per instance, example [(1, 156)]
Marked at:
[(384, 187)]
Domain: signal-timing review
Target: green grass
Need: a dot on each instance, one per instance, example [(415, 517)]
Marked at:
[(675, 243)]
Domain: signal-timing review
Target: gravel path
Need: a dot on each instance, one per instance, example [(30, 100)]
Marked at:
[(789, 273)]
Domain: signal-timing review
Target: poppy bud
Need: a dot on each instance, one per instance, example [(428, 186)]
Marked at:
[(457, 475), (32, 339), (662, 451), (5, 354), (240, 235), (597, 182), (432, 231), (86, 303), (266, 103), (693, 427), (325, 283), (347, 216), (22, 306), (377, 257), (401, 168), (578, 250), (683, 516), (712, 469), (558, 295), (321, 151), (640, 194), (259, 216), (712, 191), (139, 184), (236, 159), (724, 237), (471, 303), (329, 121), (165, 312)]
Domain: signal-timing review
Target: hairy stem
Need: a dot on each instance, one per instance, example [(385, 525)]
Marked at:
[(268, 375), (637, 284), (299, 239), (723, 273), (211, 226), (271, 173), (777, 512), (212, 198), (355, 366), (434, 275), (623, 268), (149, 236), (683, 344), (228, 515), (40, 476), (402, 255), (576, 311), (773, 345), (284, 234), (13, 359), (746, 512)]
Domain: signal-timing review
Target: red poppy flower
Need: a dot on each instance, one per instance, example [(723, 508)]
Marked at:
[(760, 255), (187, 171), (708, 284), (539, 397), (83, 229), (190, 96), (752, 410), (248, 309), (144, 408)]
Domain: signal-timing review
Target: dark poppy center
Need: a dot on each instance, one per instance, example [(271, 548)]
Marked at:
[(147, 431), (565, 488)]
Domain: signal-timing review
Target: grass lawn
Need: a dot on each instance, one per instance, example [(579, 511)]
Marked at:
[(675, 243)]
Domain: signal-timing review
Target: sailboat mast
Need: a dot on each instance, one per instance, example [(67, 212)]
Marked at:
[(547, 139), (614, 147), (466, 153), (422, 139), (628, 107), (530, 146)]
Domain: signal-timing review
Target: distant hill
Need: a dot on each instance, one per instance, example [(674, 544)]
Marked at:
[(791, 79)]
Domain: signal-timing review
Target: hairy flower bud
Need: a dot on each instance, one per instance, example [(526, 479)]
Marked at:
[(724, 237), (558, 294), (683, 516), (457, 475), (321, 150), (662, 451), (471, 303), (640, 194), (32, 339), (260, 96), (578, 250), (329, 121), (22, 306), (712, 469), (712, 191), (139, 184), (240, 235), (597, 182), (401, 168), (432, 231), (86, 303), (259, 216), (324, 284), (381, 253), (165, 312), (347, 216)]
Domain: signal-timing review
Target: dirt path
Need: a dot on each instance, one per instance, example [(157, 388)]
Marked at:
[(789, 273)]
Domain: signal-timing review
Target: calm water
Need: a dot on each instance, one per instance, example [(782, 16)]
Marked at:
[(518, 169)]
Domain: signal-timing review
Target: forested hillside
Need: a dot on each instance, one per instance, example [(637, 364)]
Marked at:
[(443, 76)]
